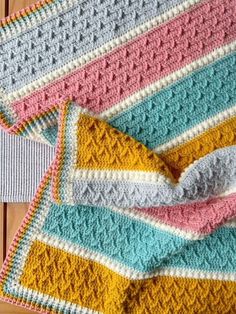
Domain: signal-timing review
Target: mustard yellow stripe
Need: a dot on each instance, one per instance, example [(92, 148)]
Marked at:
[(89, 284), (182, 156), (102, 147)]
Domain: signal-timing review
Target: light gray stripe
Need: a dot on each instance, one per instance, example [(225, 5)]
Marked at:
[(22, 165), (211, 176), (70, 35)]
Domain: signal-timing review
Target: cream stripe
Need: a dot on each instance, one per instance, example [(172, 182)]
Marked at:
[(30, 294), (197, 274), (141, 216), (197, 130), (145, 176), (77, 250), (167, 80), (120, 175), (94, 256), (70, 164), (231, 190), (231, 223), (184, 137), (109, 46), (38, 138), (128, 272)]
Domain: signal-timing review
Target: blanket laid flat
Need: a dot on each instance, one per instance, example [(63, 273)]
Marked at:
[(137, 211)]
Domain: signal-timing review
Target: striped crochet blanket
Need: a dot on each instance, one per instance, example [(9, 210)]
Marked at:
[(137, 212)]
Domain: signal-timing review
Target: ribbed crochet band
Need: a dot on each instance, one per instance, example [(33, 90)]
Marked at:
[(22, 165)]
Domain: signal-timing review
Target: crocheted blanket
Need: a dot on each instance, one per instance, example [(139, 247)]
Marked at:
[(137, 212)]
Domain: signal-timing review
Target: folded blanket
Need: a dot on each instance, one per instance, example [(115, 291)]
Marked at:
[(136, 213)]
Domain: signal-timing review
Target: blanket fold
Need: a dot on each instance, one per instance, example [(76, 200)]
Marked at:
[(137, 212), (98, 164)]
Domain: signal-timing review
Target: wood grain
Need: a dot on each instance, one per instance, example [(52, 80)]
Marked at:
[(15, 214), (16, 5), (2, 8), (12, 309)]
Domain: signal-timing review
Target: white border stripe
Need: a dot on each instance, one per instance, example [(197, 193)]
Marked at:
[(109, 46), (120, 175), (128, 272), (197, 130), (231, 223), (77, 250), (197, 274), (71, 145), (167, 80), (231, 190), (146, 218), (29, 294)]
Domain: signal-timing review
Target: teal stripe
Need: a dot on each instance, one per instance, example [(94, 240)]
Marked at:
[(128, 241), (139, 245), (170, 112), (176, 109), (216, 252), (50, 134)]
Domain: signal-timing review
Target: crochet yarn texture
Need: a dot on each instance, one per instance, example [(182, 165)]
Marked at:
[(21, 168), (136, 213)]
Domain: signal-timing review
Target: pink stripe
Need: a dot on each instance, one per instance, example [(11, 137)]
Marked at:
[(113, 77), (202, 217)]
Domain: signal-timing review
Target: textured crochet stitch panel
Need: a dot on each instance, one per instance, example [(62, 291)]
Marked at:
[(83, 27), (97, 163), (72, 268), (136, 213), (93, 76)]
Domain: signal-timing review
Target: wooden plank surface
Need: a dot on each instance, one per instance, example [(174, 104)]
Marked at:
[(6, 308), (14, 212), (2, 8), (2, 234), (16, 5)]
